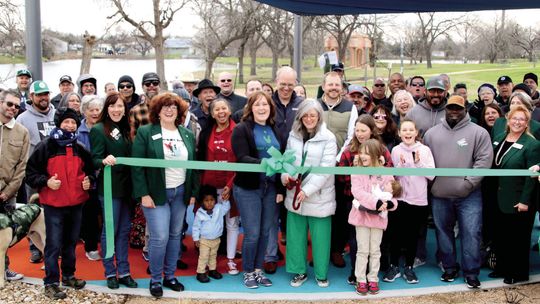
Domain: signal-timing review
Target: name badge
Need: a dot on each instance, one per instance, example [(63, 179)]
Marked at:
[(156, 136), (517, 146)]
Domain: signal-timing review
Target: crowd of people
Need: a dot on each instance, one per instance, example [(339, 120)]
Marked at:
[(58, 147)]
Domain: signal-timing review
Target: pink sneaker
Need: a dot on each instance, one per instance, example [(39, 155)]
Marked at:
[(374, 287), (362, 288)]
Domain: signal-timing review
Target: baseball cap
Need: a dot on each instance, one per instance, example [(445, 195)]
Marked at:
[(24, 72), (504, 79), (354, 88), (338, 67), (151, 76), (435, 82), (456, 100), (38, 87), (66, 78)]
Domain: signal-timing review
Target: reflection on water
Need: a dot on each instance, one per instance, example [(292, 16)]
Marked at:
[(109, 70)]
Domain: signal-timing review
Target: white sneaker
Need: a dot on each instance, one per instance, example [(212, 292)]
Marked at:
[(12, 275), (231, 268), (93, 255)]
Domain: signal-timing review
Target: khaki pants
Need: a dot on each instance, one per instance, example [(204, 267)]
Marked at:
[(207, 254), (369, 242)]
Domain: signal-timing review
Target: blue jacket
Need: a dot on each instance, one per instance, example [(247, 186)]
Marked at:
[(209, 227)]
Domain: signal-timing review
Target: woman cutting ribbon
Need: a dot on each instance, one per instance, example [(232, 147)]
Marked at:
[(314, 145)]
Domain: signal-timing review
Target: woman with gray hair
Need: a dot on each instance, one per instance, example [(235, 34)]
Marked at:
[(91, 106), (310, 199), (73, 101), (403, 102), (520, 98)]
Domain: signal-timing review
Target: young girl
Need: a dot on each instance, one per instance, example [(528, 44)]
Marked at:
[(369, 226), (406, 222)]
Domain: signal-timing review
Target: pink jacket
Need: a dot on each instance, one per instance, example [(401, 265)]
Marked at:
[(361, 190), (414, 187)]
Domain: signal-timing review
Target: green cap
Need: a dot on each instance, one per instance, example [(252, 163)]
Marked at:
[(38, 87), (24, 72), (435, 82)]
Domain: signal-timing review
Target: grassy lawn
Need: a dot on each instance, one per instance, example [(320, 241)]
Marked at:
[(471, 74), (11, 60)]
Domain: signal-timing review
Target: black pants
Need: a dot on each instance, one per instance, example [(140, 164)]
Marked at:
[(403, 230), (513, 241), (90, 228), (340, 224)]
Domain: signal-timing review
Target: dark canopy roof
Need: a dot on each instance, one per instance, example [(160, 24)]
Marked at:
[(353, 7)]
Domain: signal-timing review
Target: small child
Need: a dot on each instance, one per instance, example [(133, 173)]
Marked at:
[(60, 168), (207, 230), (369, 224)]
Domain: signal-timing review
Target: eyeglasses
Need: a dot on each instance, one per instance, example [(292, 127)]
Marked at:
[(154, 83), (170, 107), (379, 116), (11, 104), (518, 119), (226, 80), (379, 85), (126, 86), (417, 84)]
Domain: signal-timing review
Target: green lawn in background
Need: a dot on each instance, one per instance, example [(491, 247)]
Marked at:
[(471, 74)]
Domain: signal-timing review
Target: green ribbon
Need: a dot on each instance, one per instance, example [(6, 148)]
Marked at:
[(281, 164)]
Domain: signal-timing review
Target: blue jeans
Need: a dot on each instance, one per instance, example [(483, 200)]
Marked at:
[(257, 214), (468, 213), (122, 226), (271, 254), (165, 225), (63, 225)]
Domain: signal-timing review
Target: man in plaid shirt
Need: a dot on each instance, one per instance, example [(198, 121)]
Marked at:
[(138, 116)]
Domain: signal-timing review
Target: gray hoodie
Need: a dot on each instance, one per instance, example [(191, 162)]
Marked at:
[(39, 125), (425, 116), (467, 145)]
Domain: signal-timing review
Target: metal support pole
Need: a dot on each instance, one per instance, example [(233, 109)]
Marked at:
[(33, 38), (297, 54)]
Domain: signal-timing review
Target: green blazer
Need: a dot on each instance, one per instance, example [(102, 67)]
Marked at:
[(523, 154), (151, 181), (499, 128)]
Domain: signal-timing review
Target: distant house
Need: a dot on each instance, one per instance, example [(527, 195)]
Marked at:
[(180, 46)]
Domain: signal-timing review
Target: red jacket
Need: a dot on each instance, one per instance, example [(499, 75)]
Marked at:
[(70, 163)]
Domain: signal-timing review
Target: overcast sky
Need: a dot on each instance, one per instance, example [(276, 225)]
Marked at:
[(76, 16)]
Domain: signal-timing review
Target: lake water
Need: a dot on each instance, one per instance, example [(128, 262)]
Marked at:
[(108, 70)]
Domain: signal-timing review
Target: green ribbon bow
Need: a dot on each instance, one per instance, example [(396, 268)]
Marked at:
[(279, 163)]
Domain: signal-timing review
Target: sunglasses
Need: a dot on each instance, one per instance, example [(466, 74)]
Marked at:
[(379, 85), (226, 80), (379, 116), (417, 84), (11, 104), (124, 86), (154, 83)]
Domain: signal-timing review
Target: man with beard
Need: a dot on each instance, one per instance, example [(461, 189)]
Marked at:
[(417, 87), (430, 110), (340, 116), (14, 158), (531, 80), (459, 143), (66, 86), (504, 86), (38, 119), (206, 91), (87, 85), (139, 114)]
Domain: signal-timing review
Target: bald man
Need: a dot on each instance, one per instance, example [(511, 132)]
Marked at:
[(226, 84)]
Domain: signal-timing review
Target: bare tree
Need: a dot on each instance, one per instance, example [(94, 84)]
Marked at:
[(372, 27), (468, 34), (312, 45), (151, 30), (432, 28), (255, 42), (527, 39), (412, 44), (341, 28), (11, 35), (491, 37), (89, 42), (224, 21), (276, 31), (141, 45)]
